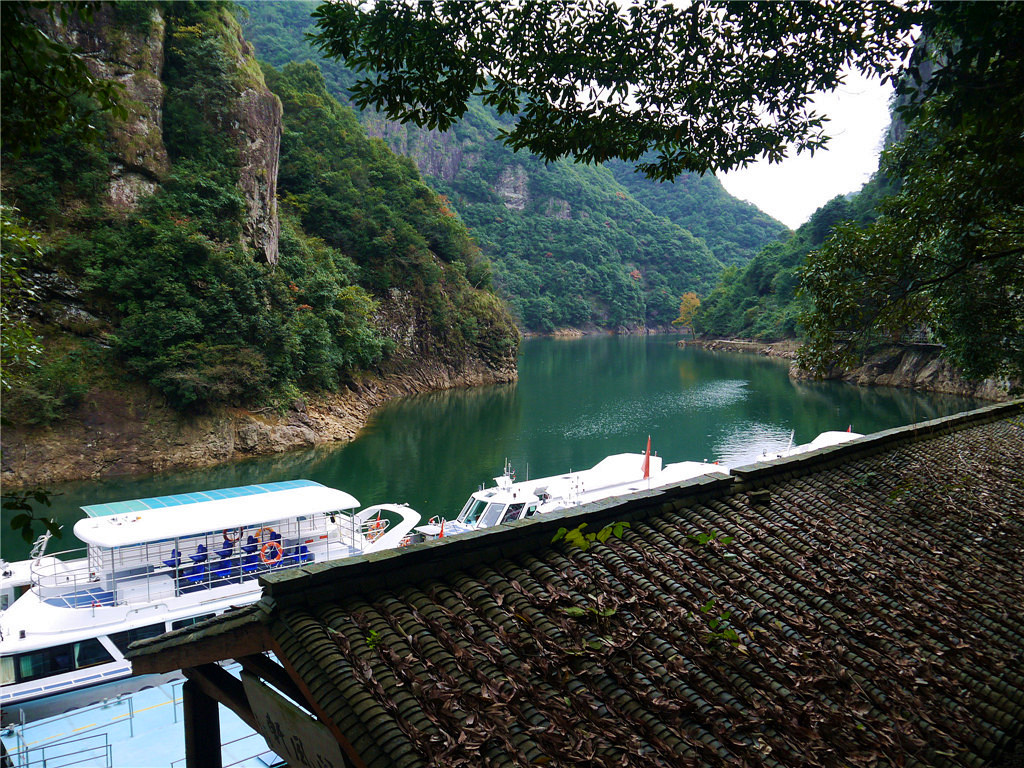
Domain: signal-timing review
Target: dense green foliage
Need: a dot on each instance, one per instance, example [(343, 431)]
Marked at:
[(571, 246), (946, 255), (760, 300), (19, 249), (54, 86), (183, 303), (680, 87), (360, 198), (734, 230)]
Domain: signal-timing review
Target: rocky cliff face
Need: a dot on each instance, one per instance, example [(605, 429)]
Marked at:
[(133, 55), (436, 153), (256, 124), (917, 367)]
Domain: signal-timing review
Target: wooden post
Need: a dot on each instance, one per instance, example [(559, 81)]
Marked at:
[(202, 728)]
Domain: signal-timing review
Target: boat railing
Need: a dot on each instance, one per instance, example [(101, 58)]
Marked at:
[(72, 579), (92, 750)]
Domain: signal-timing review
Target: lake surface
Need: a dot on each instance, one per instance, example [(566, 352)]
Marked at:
[(576, 401)]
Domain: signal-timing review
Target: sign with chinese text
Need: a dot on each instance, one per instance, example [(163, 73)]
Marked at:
[(301, 740)]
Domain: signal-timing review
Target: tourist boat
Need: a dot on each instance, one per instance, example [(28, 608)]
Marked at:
[(824, 440), (616, 475), (123, 726), (153, 565)]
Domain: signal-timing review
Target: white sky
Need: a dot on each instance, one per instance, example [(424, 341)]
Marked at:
[(791, 191)]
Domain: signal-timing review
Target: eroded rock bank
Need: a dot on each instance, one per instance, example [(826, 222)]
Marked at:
[(129, 432), (911, 366)]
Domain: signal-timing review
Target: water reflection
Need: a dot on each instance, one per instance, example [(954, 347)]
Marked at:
[(575, 403)]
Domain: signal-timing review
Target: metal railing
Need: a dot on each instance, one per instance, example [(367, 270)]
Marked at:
[(153, 573), (93, 750)]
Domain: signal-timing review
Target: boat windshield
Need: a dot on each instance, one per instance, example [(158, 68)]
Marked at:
[(472, 511), (515, 511), (491, 515)]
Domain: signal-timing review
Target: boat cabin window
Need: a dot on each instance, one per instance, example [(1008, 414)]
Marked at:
[(471, 513), (515, 511), (123, 639), (530, 510), (191, 620), (23, 667), (491, 515)]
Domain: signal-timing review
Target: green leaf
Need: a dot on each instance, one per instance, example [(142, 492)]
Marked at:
[(575, 611)]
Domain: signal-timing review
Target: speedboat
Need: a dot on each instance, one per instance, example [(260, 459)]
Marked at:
[(616, 475), (824, 440), (158, 564)]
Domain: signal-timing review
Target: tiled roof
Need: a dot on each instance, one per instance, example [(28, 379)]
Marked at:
[(864, 606)]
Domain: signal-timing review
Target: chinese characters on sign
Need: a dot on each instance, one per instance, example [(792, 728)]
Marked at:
[(295, 736)]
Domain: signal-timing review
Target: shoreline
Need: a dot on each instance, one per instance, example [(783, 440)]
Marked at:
[(908, 366), (132, 433)]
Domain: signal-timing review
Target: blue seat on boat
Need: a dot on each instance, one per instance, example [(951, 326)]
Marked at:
[(251, 545), (174, 561), (226, 549), (250, 563), (303, 555), (224, 569), (196, 574), (200, 555)]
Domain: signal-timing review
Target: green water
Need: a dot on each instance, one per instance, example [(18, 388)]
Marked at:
[(575, 402)]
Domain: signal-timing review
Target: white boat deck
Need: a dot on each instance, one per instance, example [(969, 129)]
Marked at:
[(143, 729)]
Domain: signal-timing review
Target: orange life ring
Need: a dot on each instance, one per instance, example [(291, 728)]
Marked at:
[(270, 559), (259, 533), (229, 539)]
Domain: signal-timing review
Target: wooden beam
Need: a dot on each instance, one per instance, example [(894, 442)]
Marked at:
[(225, 688), (264, 667), (199, 649), (202, 727)]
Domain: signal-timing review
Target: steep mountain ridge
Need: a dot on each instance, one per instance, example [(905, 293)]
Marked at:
[(572, 245), (171, 289)]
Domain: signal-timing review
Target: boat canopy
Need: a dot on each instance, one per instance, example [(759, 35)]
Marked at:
[(137, 521)]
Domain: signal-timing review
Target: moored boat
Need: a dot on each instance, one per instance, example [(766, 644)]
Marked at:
[(153, 565), (617, 475)]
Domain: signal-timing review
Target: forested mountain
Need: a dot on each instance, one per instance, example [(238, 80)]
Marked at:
[(759, 300), (571, 244), (733, 229), (162, 254)]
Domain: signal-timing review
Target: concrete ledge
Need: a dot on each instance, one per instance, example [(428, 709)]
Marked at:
[(752, 476), (396, 568)]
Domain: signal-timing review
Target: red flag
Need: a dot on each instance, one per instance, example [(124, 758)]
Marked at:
[(647, 459), (850, 428), (441, 534)]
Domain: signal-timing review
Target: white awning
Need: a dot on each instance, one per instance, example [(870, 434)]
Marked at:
[(211, 515)]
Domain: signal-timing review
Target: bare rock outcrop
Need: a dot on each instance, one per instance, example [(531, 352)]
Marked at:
[(436, 153), (257, 124), (133, 55), (513, 187), (918, 366)]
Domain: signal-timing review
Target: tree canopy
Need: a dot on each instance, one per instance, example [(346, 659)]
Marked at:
[(945, 257), (711, 86), (704, 87), (53, 84)]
